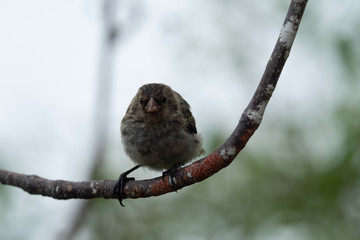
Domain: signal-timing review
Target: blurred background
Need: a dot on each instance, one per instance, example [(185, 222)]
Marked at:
[(69, 69)]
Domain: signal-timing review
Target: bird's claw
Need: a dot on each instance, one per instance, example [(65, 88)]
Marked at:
[(119, 187), (120, 184), (171, 171)]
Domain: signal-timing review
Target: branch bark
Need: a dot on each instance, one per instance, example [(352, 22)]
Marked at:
[(197, 171)]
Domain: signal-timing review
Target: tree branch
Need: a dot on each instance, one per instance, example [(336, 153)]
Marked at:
[(197, 171)]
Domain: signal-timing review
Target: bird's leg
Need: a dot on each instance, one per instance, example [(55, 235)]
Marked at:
[(120, 184), (171, 171)]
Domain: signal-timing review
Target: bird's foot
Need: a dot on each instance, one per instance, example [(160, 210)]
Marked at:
[(171, 171), (120, 184)]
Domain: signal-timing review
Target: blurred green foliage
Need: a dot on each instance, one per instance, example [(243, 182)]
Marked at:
[(257, 196), (271, 193), (285, 190)]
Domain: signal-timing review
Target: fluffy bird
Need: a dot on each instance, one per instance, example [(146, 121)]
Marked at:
[(158, 131)]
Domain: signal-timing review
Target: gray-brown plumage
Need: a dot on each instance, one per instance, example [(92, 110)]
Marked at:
[(158, 131)]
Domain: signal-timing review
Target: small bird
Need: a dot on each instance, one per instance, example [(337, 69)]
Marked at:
[(159, 132)]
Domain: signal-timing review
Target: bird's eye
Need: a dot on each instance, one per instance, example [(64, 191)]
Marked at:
[(164, 100), (141, 101)]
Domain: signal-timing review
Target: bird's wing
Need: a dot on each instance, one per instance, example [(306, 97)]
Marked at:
[(190, 124)]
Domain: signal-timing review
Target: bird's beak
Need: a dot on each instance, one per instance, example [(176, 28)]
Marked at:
[(152, 106)]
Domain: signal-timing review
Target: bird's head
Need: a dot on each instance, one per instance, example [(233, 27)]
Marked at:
[(154, 102)]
